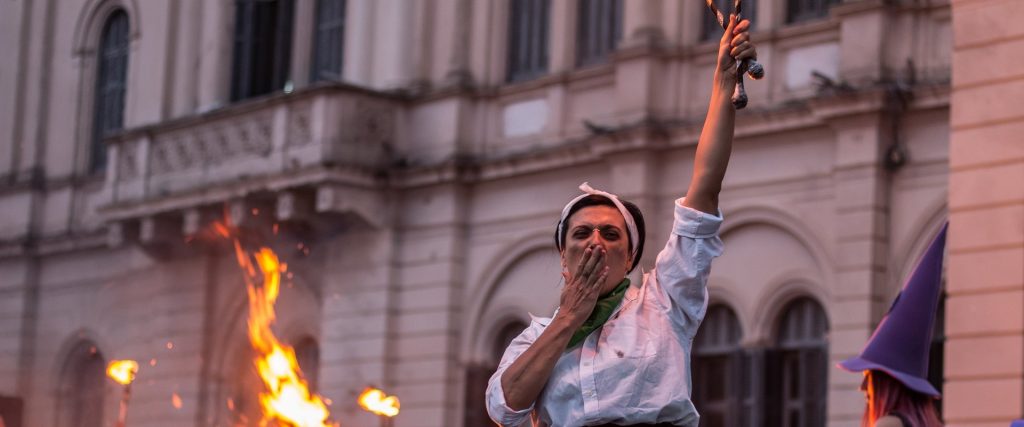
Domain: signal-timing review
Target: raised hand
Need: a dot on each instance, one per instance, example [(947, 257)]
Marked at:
[(735, 47)]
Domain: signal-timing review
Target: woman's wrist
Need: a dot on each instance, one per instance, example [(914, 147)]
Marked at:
[(724, 82), (566, 322)]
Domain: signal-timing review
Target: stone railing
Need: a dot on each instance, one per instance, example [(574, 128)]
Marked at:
[(252, 143)]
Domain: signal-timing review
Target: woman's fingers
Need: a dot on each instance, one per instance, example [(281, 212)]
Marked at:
[(595, 279), (742, 26), (740, 38), (599, 281), (740, 49), (746, 52), (592, 263), (729, 28), (581, 267)]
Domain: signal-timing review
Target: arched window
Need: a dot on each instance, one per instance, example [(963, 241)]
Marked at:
[(528, 39), (111, 84), (598, 30), (477, 375), (717, 368), (329, 40), (81, 391), (262, 47), (807, 10), (712, 30), (307, 353), (796, 370)]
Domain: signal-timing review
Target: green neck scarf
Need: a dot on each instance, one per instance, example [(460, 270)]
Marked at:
[(606, 304)]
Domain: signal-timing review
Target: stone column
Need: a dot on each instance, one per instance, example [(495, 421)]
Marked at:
[(456, 50), (562, 41), (359, 41), (358, 300), (184, 93), (642, 23), (393, 28), (985, 248), (639, 71), (429, 280), (862, 219), (214, 86), (303, 37), (863, 33)]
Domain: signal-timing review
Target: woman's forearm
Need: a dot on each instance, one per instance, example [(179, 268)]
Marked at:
[(524, 379), (713, 149)]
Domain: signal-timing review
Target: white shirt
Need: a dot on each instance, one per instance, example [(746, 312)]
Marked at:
[(635, 369)]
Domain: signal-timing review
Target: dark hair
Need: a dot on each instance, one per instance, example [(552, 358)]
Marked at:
[(595, 200)]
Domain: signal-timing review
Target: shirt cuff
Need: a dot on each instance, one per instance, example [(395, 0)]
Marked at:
[(695, 224), (503, 414)]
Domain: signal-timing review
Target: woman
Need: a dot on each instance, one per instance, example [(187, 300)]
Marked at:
[(635, 370), (891, 404)]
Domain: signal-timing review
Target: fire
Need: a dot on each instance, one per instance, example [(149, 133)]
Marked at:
[(286, 397), (376, 401), (122, 371)]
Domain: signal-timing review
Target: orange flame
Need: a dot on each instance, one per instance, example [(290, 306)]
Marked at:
[(122, 371), (376, 401), (286, 397)]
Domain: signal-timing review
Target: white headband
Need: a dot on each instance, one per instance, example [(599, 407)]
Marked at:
[(634, 235)]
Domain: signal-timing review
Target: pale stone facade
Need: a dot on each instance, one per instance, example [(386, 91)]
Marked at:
[(427, 188), (984, 370)]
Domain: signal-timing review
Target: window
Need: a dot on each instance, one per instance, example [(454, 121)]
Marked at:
[(328, 40), (796, 370), (712, 30), (262, 47), (599, 29), (478, 374), (80, 396), (307, 353), (111, 84), (716, 370), (807, 10), (527, 39)]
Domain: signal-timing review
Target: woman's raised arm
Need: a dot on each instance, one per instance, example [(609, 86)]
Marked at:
[(715, 143)]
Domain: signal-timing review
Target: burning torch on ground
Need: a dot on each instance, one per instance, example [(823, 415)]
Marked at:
[(123, 371), (375, 401)]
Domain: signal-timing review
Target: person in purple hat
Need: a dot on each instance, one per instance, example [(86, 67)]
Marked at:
[(895, 360)]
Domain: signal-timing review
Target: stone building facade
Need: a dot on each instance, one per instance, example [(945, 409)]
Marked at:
[(412, 158)]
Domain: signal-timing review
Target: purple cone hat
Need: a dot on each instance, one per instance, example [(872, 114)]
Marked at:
[(900, 344)]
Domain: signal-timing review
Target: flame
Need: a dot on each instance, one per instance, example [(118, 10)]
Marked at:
[(376, 401), (122, 371), (286, 397)]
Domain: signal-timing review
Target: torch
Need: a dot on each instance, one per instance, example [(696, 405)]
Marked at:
[(375, 401), (123, 372), (749, 66)]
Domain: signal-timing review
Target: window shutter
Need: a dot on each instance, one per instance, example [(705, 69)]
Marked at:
[(262, 48), (527, 39), (111, 86), (772, 403)]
